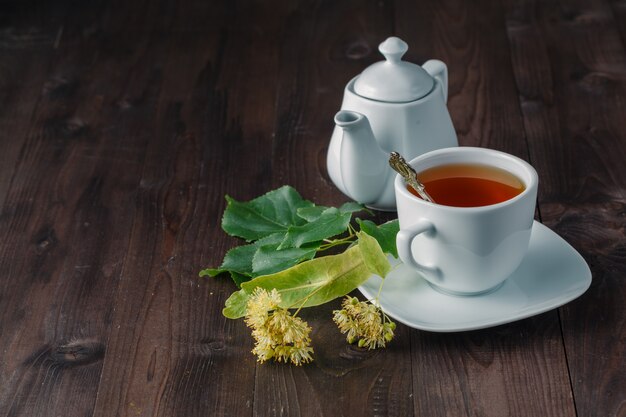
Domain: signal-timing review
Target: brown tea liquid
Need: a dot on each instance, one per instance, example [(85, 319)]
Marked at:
[(469, 185)]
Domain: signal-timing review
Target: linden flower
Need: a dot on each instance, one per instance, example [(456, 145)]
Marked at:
[(259, 305), (363, 321), (277, 333)]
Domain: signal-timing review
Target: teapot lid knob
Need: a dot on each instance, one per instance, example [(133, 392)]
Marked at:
[(393, 80), (393, 49)]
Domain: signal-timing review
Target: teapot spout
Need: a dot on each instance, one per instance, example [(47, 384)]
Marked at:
[(363, 164)]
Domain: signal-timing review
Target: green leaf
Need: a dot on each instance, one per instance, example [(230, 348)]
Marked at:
[(209, 272), (352, 207), (235, 305), (331, 223), (239, 278), (373, 255), (271, 213), (268, 259), (285, 230), (238, 260), (260, 258), (385, 234), (311, 214), (319, 280)]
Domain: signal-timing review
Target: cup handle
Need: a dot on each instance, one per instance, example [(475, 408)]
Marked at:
[(404, 239)]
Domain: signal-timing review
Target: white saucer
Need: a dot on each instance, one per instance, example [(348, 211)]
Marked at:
[(551, 274)]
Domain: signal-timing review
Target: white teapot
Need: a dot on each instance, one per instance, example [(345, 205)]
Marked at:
[(393, 105)]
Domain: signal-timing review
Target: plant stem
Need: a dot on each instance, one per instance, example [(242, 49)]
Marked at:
[(304, 300), (380, 288), (332, 244)]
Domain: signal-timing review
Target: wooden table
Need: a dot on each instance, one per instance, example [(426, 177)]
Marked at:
[(124, 124)]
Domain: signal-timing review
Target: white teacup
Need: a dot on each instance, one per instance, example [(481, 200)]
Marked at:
[(466, 250)]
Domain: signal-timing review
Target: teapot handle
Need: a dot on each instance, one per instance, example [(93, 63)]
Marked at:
[(438, 70)]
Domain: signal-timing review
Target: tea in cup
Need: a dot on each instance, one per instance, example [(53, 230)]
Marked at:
[(477, 231)]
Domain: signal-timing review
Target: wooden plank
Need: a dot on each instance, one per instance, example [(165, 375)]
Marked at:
[(493, 372), (515, 369), (27, 42), (618, 9), (66, 221), (570, 67), (323, 47), (171, 351)]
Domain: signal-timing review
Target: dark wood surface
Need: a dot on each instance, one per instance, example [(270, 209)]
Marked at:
[(124, 123)]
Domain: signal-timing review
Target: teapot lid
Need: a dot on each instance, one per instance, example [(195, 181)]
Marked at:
[(393, 80)]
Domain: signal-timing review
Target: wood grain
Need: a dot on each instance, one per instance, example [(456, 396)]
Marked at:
[(66, 231), (26, 53), (210, 137)]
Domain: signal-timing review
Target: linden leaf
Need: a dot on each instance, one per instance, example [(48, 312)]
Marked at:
[(352, 207), (373, 255), (284, 230), (270, 213), (238, 260), (330, 223), (268, 259), (238, 278), (385, 234), (319, 280), (235, 305), (310, 214)]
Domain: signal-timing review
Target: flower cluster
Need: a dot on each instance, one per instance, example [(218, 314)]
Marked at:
[(364, 322), (277, 333)]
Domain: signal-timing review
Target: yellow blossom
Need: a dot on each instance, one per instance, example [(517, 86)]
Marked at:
[(277, 333), (364, 322)]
